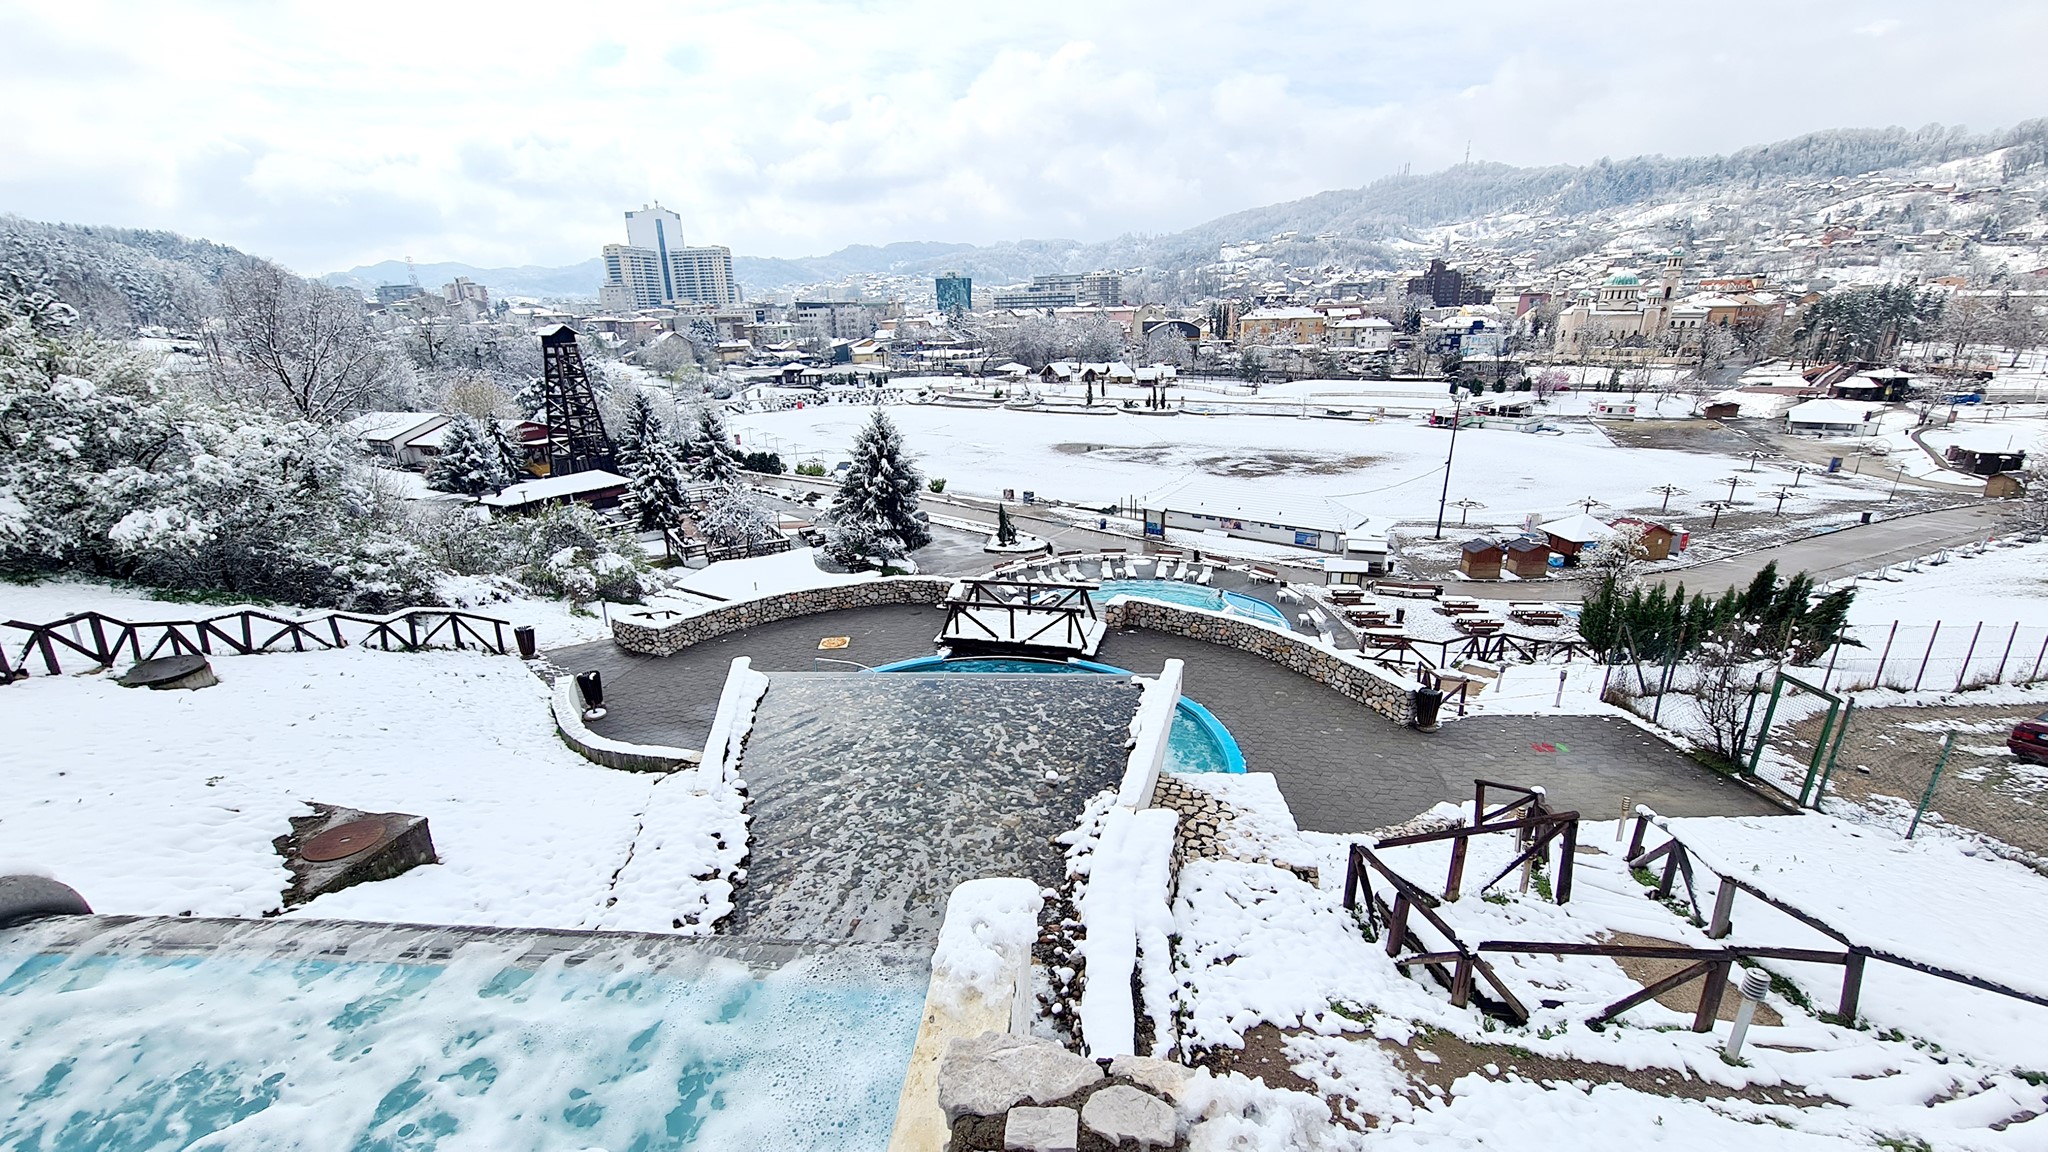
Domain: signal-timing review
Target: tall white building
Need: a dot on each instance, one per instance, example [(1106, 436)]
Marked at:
[(656, 268)]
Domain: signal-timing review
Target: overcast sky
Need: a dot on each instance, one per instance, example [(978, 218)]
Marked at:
[(327, 135)]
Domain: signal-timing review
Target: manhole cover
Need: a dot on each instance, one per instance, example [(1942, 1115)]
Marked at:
[(344, 841), (830, 643)]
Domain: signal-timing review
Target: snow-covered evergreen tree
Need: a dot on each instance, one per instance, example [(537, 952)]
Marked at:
[(875, 513), (657, 481), (713, 459), (735, 519), (469, 463)]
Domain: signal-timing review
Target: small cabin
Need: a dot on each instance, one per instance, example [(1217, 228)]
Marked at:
[(1982, 462), (1659, 540), (2005, 486), (1364, 559), (1480, 559), (1528, 559), (1573, 535), (1723, 410), (1614, 409)]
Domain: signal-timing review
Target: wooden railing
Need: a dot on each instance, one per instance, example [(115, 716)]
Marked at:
[(100, 640)]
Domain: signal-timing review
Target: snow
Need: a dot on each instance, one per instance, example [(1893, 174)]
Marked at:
[(166, 803), (2000, 584), (1124, 910), (1391, 469), (1151, 727), (790, 571), (985, 941), (1936, 900), (1516, 1115), (554, 488)]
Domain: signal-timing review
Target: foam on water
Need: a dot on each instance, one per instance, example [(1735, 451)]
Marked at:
[(628, 1048)]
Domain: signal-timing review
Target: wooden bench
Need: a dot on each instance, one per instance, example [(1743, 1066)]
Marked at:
[(1407, 589), (1478, 625), (1346, 596), (1263, 575), (1535, 613)]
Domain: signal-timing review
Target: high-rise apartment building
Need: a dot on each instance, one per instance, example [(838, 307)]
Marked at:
[(654, 267), (956, 293), (1091, 289)]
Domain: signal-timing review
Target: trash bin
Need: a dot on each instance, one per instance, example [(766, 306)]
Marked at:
[(1834, 463), (591, 684), (524, 634), (1428, 702), (1866, 517)]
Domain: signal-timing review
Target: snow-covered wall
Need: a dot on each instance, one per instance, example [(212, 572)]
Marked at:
[(1128, 917), (1151, 728), (744, 688), (663, 633)]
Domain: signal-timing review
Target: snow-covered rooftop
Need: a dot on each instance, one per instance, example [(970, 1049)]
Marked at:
[(554, 488)]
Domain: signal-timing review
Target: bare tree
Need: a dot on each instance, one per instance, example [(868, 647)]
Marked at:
[(299, 345)]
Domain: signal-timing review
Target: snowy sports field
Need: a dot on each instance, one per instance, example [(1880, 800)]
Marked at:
[(1388, 470)]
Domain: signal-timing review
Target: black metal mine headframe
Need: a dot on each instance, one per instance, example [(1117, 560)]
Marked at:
[(576, 437)]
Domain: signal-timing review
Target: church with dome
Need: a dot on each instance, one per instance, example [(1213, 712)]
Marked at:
[(1629, 320)]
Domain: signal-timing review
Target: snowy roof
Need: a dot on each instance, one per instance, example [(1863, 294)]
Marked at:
[(1829, 412), (1579, 529), (555, 488), (1281, 314), (431, 436), (381, 427), (1362, 322)]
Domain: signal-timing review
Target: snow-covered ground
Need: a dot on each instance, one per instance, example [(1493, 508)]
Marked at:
[(1388, 470), (1258, 944), (166, 803)]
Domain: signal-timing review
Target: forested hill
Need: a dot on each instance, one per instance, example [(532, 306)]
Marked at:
[(119, 278)]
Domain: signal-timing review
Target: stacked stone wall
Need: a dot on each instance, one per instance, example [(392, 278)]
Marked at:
[(655, 633), (1346, 675)]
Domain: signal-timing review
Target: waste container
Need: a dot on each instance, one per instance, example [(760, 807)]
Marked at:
[(1428, 702), (591, 684), (1866, 517), (524, 635), (1834, 463)]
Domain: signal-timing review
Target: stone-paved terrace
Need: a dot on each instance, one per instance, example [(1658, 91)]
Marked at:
[(1341, 767)]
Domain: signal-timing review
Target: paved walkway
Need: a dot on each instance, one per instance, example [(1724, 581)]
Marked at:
[(1341, 767), (1853, 550)]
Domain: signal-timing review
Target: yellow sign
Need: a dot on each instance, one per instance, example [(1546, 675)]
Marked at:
[(832, 642)]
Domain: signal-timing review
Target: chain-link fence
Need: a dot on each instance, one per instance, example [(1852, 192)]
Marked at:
[(1940, 657)]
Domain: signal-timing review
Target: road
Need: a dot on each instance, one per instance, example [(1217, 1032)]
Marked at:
[(1852, 550)]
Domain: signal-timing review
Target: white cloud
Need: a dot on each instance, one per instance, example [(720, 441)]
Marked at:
[(326, 135)]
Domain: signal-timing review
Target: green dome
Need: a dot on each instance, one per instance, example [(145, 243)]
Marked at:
[(1624, 278)]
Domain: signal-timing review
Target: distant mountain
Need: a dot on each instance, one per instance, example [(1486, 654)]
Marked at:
[(525, 280)]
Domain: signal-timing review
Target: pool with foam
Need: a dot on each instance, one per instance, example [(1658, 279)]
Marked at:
[(1195, 596)]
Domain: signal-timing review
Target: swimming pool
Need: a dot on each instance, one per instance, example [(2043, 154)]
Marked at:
[(1195, 596), (1198, 742), (118, 1043)]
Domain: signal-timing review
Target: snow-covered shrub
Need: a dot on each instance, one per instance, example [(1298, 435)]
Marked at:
[(736, 519), (569, 552)]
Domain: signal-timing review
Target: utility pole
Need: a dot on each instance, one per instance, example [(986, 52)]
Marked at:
[(1457, 418)]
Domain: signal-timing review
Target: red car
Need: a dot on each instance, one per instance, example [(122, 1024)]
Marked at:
[(2029, 739)]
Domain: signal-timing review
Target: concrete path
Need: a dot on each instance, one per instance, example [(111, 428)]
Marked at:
[(1849, 551)]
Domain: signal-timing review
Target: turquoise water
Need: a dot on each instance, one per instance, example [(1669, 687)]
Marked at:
[(1198, 742), (229, 1050), (1195, 596)]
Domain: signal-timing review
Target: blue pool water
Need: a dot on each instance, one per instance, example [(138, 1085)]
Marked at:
[(243, 1047), (1198, 743), (1195, 596)]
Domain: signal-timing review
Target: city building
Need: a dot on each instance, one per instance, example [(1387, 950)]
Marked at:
[(1092, 289), (463, 290), (1625, 313), (1368, 333), (393, 293), (955, 293), (655, 268), (1446, 287), (1281, 326)]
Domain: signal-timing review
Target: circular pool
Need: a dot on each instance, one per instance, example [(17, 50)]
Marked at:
[(1195, 596), (1199, 742)]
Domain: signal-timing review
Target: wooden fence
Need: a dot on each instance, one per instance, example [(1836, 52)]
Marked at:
[(98, 640)]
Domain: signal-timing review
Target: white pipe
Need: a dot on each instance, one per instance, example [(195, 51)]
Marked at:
[(1756, 983)]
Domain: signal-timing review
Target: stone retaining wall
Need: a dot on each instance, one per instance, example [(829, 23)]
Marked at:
[(657, 633), (1348, 676)]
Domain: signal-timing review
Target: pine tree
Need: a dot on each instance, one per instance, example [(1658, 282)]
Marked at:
[(1006, 532), (713, 460), (876, 508), (470, 462), (657, 489)]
